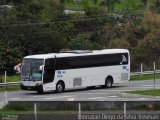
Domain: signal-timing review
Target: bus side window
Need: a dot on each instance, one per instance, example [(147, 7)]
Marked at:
[(49, 70)]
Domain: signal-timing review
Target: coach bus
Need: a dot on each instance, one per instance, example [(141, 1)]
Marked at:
[(75, 69)]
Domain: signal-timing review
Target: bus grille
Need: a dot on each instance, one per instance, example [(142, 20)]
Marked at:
[(124, 76), (77, 82)]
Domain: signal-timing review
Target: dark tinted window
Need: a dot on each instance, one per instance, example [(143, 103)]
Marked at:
[(49, 70), (49, 62), (91, 61)]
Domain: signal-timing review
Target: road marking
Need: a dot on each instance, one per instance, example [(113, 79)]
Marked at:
[(151, 85), (98, 92), (100, 100), (14, 98), (94, 98), (71, 99), (49, 98), (142, 98), (108, 90), (113, 96), (38, 96)]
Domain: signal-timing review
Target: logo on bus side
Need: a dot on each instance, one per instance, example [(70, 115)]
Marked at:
[(60, 73), (124, 59)]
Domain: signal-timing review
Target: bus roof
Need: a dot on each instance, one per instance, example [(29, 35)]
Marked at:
[(77, 53)]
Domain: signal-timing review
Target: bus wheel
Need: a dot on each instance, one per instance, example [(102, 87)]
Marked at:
[(40, 91), (60, 87), (90, 87), (108, 82)]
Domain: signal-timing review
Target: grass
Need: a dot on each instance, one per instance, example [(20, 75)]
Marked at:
[(12, 78), (73, 6), (144, 77), (146, 92), (131, 5), (9, 88)]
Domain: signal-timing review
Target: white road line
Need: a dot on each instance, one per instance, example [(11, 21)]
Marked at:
[(101, 100), (112, 96), (142, 98), (98, 92), (94, 98), (108, 90), (71, 99), (49, 98), (151, 85), (14, 98), (38, 96)]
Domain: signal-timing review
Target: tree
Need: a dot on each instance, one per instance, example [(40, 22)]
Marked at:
[(35, 29), (95, 1), (82, 42), (109, 4), (146, 4), (119, 43), (150, 48), (91, 7), (158, 5)]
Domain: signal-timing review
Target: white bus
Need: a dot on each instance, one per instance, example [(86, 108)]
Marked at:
[(75, 69)]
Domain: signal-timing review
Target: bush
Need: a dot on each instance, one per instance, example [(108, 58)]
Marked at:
[(81, 42)]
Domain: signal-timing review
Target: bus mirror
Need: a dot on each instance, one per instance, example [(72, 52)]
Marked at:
[(41, 67)]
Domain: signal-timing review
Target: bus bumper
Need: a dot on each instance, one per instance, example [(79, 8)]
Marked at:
[(32, 88)]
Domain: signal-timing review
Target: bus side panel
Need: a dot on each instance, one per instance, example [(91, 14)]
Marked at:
[(74, 78)]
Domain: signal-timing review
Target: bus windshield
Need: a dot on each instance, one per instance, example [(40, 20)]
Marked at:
[(31, 70)]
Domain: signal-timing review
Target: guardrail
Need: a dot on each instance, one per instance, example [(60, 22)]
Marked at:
[(9, 84), (145, 73)]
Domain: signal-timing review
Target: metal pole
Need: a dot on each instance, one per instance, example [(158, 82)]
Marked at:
[(141, 71), (141, 68), (5, 78), (154, 67), (79, 111), (125, 112), (6, 97), (1, 78), (35, 111)]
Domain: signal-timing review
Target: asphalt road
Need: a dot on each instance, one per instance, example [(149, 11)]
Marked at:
[(116, 93)]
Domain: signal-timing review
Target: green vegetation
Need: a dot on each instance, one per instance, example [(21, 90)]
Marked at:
[(73, 6), (12, 78), (9, 88), (120, 6), (146, 92), (144, 77), (37, 26)]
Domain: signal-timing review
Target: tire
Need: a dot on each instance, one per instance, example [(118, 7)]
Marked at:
[(40, 92), (91, 87), (108, 82), (59, 87)]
